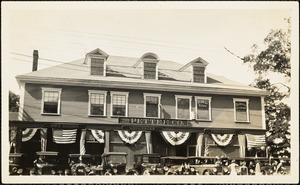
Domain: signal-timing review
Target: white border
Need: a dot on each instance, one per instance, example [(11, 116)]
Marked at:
[(104, 102)]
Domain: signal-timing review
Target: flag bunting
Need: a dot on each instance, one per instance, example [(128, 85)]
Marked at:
[(130, 137), (175, 138)]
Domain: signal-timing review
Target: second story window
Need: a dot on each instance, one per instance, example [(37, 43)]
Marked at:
[(183, 107), (51, 100), (152, 105), (119, 103), (97, 103), (241, 110), (203, 108), (198, 74), (97, 66)]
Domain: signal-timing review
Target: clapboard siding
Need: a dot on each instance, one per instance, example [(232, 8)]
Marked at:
[(74, 106)]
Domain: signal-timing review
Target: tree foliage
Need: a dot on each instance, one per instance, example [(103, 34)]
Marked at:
[(13, 102), (274, 58)]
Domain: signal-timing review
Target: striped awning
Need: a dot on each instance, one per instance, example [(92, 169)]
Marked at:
[(175, 138), (130, 137), (255, 141), (64, 136)]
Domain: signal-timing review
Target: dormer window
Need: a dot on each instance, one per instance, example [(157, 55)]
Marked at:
[(96, 61), (199, 74), (150, 70), (97, 66), (197, 68), (149, 66)]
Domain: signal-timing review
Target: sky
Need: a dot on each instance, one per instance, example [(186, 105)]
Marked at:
[(63, 33)]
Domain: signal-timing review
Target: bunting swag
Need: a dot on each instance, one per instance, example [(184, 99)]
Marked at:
[(98, 135), (28, 133), (130, 137), (175, 138), (64, 136), (255, 140), (222, 139)]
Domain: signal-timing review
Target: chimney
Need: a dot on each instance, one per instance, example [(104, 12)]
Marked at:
[(35, 60)]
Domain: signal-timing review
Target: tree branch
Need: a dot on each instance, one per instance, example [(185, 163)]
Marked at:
[(234, 54)]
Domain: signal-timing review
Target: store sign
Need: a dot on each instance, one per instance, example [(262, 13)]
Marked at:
[(139, 128), (220, 131), (153, 121)]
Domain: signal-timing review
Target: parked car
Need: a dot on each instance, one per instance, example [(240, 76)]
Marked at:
[(80, 164), (205, 165), (16, 163), (114, 163), (46, 163), (176, 165), (148, 164)]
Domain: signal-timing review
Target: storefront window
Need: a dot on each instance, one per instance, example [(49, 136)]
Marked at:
[(97, 103)]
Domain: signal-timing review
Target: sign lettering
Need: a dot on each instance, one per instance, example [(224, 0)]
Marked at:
[(153, 121)]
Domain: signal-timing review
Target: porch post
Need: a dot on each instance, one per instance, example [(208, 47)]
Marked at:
[(44, 140), (149, 142), (106, 147), (242, 143), (199, 144), (18, 146)]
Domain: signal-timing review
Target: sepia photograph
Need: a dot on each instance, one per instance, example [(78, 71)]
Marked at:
[(150, 92)]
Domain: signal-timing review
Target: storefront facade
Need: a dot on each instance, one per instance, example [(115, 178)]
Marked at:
[(112, 104)]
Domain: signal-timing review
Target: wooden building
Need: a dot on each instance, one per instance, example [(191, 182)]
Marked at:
[(110, 103)]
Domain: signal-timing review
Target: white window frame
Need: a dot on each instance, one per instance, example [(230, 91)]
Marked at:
[(176, 103), (112, 93), (58, 103), (199, 65), (156, 67), (209, 109), (247, 110), (104, 106), (98, 57), (159, 104)]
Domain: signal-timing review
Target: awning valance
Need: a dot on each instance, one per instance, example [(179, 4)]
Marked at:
[(255, 141), (175, 138), (64, 136), (130, 137)]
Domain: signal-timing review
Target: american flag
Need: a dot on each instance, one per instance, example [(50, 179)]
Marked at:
[(254, 141), (64, 136)]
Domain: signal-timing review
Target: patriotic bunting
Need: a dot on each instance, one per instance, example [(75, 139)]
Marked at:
[(175, 138), (254, 141), (64, 136), (222, 139), (98, 135), (28, 133), (130, 137), (43, 132)]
